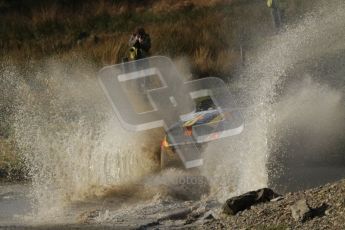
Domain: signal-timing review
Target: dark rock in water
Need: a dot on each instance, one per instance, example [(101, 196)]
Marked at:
[(301, 211), (245, 201)]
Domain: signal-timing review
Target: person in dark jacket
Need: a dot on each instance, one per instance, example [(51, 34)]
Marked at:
[(140, 43)]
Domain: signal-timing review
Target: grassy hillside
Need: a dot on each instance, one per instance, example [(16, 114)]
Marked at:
[(206, 31)]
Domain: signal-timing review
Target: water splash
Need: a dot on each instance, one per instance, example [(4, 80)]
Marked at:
[(75, 149), (240, 164), (70, 140)]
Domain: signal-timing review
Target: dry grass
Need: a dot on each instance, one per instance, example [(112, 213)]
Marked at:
[(173, 5), (177, 28), (45, 14), (205, 31), (109, 51)]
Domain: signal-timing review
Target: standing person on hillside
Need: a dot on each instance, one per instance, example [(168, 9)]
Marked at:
[(278, 12), (141, 42)]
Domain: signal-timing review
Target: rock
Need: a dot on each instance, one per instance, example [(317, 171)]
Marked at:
[(265, 194), (236, 204), (239, 203), (320, 211), (301, 211)]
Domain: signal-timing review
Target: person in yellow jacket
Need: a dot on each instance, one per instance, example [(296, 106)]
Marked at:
[(278, 11)]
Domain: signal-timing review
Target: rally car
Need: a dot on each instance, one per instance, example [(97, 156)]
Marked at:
[(215, 123)]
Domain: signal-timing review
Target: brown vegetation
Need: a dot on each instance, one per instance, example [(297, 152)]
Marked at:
[(204, 31)]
